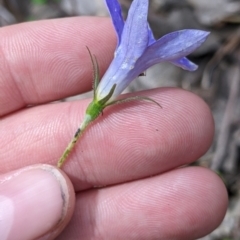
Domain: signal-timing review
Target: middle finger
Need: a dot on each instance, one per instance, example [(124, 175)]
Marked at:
[(128, 142)]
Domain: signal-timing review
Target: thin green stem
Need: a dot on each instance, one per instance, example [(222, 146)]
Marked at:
[(74, 140), (69, 148)]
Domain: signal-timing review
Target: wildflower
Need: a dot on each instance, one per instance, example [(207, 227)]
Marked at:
[(136, 51)]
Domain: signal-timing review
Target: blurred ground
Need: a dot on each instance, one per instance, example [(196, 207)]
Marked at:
[(217, 80)]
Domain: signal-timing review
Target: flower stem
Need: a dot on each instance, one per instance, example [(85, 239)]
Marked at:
[(87, 119), (69, 148)]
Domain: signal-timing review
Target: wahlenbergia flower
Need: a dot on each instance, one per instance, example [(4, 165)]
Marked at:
[(136, 51)]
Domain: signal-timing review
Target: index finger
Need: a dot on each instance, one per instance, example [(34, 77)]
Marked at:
[(47, 60)]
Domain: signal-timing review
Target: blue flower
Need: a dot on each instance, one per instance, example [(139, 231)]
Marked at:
[(137, 49)]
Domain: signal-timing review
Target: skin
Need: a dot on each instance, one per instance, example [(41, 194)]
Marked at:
[(134, 152)]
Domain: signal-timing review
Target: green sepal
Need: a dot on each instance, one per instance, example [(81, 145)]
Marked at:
[(130, 99), (96, 71), (96, 107), (105, 99)]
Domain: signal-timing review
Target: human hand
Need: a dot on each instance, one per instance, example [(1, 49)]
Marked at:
[(135, 150)]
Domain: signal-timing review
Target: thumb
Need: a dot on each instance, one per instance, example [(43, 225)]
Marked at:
[(36, 202)]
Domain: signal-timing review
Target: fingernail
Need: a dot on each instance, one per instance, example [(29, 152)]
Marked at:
[(33, 201)]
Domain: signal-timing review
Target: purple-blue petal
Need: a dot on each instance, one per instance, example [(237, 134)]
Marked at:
[(138, 50), (115, 11), (171, 47), (185, 64), (135, 34)]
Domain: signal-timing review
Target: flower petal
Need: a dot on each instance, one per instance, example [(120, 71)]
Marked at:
[(171, 47), (115, 11), (135, 33), (185, 64)]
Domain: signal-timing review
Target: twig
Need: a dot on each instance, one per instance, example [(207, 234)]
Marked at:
[(228, 119)]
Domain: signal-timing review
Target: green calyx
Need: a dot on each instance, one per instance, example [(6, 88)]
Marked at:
[(95, 108)]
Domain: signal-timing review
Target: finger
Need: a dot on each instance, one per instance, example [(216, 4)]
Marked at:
[(38, 198), (182, 204), (128, 142), (48, 60)]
